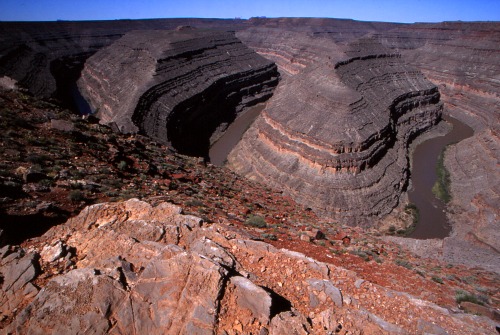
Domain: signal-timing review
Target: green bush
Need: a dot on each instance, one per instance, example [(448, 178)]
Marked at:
[(122, 166), (271, 237), (461, 296), (256, 221), (76, 196), (361, 254), (441, 188), (403, 263), (437, 279)]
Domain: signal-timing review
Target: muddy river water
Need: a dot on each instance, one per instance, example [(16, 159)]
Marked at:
[(432, 221), (220, 149)]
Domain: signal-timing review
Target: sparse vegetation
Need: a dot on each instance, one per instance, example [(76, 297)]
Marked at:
[(461, 296), (195, 203), (271, 237), (403, 263), (437, 279), (441, 188), (360, 253), (122, 166), (76, 196), (78, 175), (413, 212), (256, 221)]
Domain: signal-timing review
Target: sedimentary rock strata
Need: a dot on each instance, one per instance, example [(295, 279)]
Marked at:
[(47, 57), (291, 50), (178, 87), (462, 59), (335, 135), (134, 268)]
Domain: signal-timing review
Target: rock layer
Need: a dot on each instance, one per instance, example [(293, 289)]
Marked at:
[(135, 268), (335, 136), (462, 59), (47, 57), (178, 87)]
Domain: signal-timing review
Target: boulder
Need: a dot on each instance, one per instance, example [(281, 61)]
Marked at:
[(252, 297), (17, 270), (320, 290), (287, 323), (62, 125), (80, 301)]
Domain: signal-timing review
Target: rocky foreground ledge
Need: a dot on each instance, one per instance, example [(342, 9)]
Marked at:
[(133, 268)]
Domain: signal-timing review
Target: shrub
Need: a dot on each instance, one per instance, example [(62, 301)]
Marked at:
[(403, 263), (321, 243), (195, 203), (271, 237), (361, 254), (441, 188), (122, 166), (76, 196), (461, 296), (437, 279), (256, 221)]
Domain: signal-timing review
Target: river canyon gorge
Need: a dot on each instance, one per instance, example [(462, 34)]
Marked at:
[(346, 118)]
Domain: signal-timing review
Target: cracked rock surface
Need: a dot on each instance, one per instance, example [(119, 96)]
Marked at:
[(208, 282)]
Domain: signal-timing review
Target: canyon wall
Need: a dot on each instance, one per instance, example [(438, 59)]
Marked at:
[(181, 87), (463, 60), (47, 57), (321, 74), (335, 134)]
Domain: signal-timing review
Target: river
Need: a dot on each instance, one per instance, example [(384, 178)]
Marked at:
[(220, 149), (432, 219), (432, 211)]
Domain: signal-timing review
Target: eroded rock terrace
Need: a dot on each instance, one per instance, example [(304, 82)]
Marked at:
[(178, 87), (137, 268), (335, 135)]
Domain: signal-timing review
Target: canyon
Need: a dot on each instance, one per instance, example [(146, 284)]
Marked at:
[(341, 106), (335, 135), (170, 85)]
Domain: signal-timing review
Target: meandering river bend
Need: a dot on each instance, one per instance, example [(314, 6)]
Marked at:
[(432, 219)]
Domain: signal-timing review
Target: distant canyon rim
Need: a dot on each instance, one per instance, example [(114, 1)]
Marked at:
[(344, 101)]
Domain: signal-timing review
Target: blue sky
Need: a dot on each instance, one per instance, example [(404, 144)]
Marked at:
[(365, 10)]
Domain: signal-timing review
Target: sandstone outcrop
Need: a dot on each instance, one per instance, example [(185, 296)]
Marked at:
[(177, 87), (211, 281), (335, 135)]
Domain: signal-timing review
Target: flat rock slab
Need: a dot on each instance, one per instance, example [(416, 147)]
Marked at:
[(320, 290), (253, 297)]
